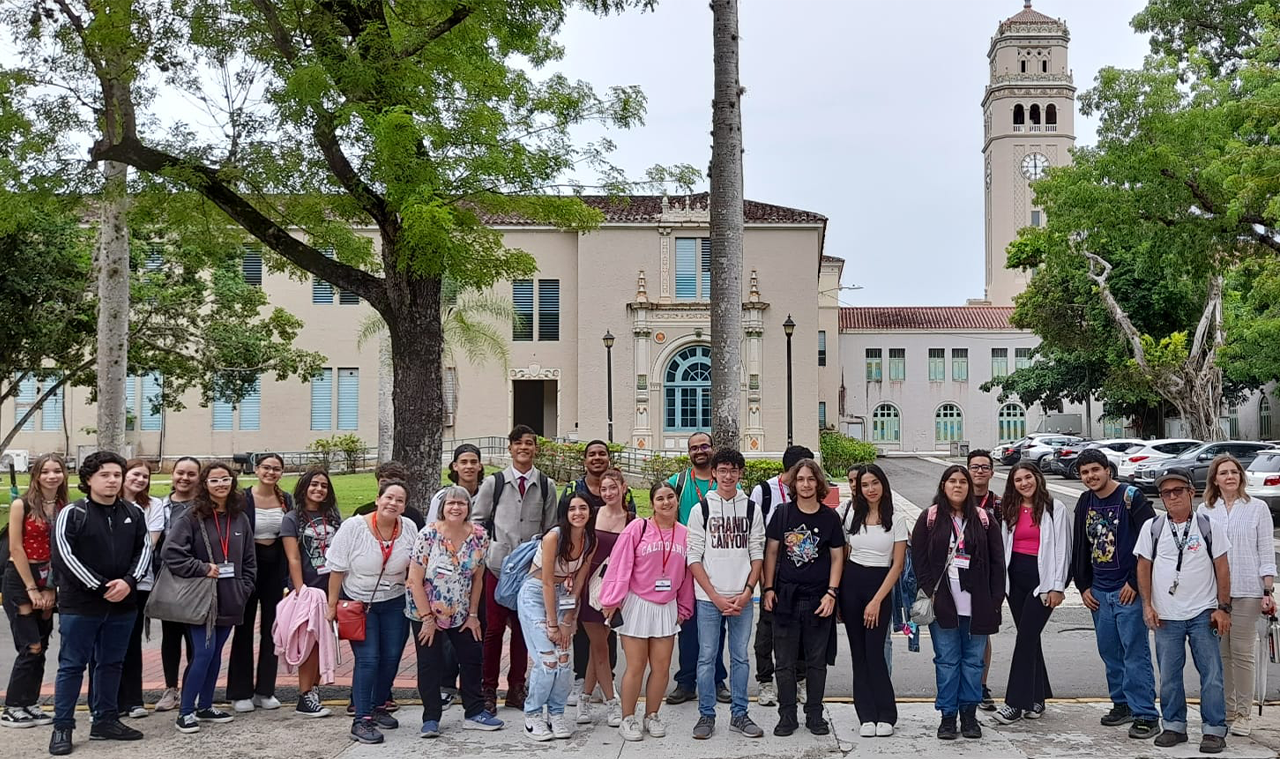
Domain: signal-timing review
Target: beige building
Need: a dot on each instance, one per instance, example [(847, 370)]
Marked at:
[(643, 276)]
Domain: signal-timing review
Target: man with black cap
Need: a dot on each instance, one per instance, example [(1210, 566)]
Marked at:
[(1185, 584)]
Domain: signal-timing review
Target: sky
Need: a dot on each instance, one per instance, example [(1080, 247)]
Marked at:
[(866, 112)]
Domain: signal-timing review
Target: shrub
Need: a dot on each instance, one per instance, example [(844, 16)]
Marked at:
[(759, 470), (659, 467), (562, 461), (839, 452), (349, 448)]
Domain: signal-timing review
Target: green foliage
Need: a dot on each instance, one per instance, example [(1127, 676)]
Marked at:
[(348, 448), (562, 461), (1252, 353), (757, 471), (658, 467), (840, 452)]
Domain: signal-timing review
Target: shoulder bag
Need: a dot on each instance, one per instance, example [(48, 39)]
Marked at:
[(188, 600), (922, 609), (350, 615)]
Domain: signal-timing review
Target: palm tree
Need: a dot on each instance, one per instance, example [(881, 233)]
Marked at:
[(474, 322)]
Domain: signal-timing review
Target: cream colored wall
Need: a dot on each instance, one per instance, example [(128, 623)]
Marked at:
[(829, 376)]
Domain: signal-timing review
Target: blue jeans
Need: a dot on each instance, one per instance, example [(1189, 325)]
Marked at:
[(1171, 655), (552, 673), (202, 671), (957, 664), (1126, 653), (689, 643), (104, 639), (386, 629), (711, 625)]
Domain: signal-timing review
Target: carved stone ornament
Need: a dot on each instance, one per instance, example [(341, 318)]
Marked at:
[(642, 294), (684, 211), (754, 296), (659, 337), (533, 372)]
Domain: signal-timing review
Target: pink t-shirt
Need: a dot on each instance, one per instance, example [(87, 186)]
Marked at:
[(1026, 534)]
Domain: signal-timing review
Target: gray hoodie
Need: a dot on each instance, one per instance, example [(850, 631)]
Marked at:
[(727, 544)]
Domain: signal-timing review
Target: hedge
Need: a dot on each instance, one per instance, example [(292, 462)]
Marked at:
[(841, 452)]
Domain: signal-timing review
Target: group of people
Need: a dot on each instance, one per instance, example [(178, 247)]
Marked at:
[(574, 571)]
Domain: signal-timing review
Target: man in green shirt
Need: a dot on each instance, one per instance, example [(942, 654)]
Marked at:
[(694, 483)]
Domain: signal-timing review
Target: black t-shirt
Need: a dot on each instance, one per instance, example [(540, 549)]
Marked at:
[(805, 543)]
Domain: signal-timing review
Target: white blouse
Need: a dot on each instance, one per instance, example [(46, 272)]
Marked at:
[(1250, 528)]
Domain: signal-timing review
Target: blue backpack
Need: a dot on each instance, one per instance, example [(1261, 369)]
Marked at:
[(515, 570)]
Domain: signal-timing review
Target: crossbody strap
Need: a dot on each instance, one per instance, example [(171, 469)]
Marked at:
[(951, 554)]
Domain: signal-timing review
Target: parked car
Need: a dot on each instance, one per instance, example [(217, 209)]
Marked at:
[(1010, 453), (1262, 478), (1151, 452), (1038, 452), (1197, 460), (1064, 459)]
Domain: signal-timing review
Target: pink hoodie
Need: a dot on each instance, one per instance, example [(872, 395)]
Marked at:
[(636, 564), (301, 625)]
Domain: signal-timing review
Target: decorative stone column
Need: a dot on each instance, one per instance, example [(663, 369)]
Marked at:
[(753, 440)]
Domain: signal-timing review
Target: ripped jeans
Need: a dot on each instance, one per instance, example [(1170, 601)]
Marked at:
[(552, 674)]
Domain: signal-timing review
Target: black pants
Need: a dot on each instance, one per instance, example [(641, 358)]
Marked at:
[(872, 689), (582, 652), (268, 590), (1028, 678), (172, 636), (801, 637), (27, 629), (130, 694), (764, 649), (468, 651)]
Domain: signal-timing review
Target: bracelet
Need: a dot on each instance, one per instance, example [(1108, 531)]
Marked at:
[(832, 593), (768, 589), (33, 588)]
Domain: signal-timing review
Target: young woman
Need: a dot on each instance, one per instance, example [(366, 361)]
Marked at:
[(369, 562), (1037, 549), (185, 476), (803, 562), (611, 520), (956, 548), (649, 584), (266, 505), (1248, 524), (29, 596), (548, 609), (445, 593), (876, 549), (212, 539), (137, 490), (307, 532)]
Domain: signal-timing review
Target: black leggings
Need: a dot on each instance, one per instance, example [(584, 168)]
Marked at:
[(1028, 678), (273, 570), (872, 689), (172, 636)]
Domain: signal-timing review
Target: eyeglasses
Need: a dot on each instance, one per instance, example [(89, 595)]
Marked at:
[(980, 467), (703, 447), (1174, 492), (267, 468), (218, 481), (726, 471)]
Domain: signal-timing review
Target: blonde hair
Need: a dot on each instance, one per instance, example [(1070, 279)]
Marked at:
[(1211, 492)]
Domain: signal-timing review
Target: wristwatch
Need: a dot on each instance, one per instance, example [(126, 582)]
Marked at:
[(1225, 607), (1266, 591)]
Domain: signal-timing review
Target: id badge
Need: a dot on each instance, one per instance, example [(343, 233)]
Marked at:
[(444, 570), (568, 603), (226, 570), (322, 570), (661, 585), (961, 561)]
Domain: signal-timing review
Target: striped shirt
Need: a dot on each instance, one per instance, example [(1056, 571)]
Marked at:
[(1249, 527)]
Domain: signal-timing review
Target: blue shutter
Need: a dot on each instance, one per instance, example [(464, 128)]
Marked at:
[(822, 415), (321, 291), (549, 309), (51, 412), (155, 257), (251, 407), (686, 268), (348, 399), (322, 400), (348, 298), (131, 402), (222, 416), (26, 398), (251, 265), (706, 269), (522, 301), (150, 395)]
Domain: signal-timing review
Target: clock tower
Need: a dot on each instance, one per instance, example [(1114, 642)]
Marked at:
[(1028, 126)]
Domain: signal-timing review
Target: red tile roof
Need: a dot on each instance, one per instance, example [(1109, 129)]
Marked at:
[(649, 209), (925, 317), (1028, 16)]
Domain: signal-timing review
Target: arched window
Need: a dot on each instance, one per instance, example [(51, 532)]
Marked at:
[(1035, 114), (1012, 422), (688, 390), (1019, 115), (948, 423), (886, 424), (1264, 419), (1051, 114)]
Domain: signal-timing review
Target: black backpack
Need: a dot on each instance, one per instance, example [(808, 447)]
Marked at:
[(499, 483), (706, 512)]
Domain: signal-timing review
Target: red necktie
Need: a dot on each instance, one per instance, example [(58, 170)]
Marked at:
[(522, 486)]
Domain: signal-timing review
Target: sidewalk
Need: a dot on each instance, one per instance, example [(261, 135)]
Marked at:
[(1066, 730)]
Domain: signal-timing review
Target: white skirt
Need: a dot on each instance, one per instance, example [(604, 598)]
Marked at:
[(645, 619)]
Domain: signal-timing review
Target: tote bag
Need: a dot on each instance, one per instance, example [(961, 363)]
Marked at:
[(188, 600)]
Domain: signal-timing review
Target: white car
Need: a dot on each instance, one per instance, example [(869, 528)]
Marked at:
[(1151, 452), (1262, 478)]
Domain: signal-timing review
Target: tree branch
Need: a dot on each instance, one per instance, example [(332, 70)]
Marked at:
[(1211, 307), (460, 14), (1099, 271), (40, 400)]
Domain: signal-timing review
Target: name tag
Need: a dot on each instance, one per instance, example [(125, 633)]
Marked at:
[(444, 570), (226, 570), (568, 603), (661, 585), (960, 561), (322, 570)]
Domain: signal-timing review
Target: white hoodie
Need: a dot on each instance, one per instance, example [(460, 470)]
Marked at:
[(727, 544)]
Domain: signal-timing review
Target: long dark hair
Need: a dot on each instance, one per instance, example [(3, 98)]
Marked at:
[(35, 496), (943, 504), (276, 487), (328, 507), (862, 507), (820, 493), (202, 505), (565, 552), (1011, 504)]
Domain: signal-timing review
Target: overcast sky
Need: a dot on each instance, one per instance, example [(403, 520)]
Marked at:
[(866, 112)]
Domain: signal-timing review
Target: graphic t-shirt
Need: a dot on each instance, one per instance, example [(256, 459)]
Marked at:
[(805, 543), (314, 534), (1110, 536)]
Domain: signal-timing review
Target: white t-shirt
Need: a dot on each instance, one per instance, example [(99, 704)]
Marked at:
[(780, 495), (358, 553), (1197, 583), (964, 603), (873, 545)]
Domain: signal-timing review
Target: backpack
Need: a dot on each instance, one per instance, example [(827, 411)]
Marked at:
[(706, 512), (766, 497), (500, 483), (1202, 521), (680, 482), (515, 570), (933, 516)]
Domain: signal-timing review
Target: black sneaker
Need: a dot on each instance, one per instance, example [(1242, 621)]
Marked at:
[(1144, 727), (988, 704), (214, 715), (383, 720), (969, 726), (680, 696), (947, 728), (1212, 744), (786, 726), (364, 731), (16, 716), (1170, 738), (113, 730), (1007, 715), (1119, 715), (1035, 712), (309, 705), (187, 723), (818, 726), (723, 695), (60, 741)]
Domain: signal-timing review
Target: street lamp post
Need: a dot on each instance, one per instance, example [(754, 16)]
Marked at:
[(789, 327), (608, 350)]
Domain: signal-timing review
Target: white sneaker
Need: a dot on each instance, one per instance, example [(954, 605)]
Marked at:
[(630, 729), (883, 729), (243, 705), (868, 730), (768, 695), (584, 712), (575, 692), (536, 729), (1242, 726), (168, 700), (614, 717), (560, 727), (138, 712), (654, 724), (266, 702)]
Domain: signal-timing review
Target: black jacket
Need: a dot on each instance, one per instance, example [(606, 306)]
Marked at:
[(94, 544), (984, 579), (185, 555)]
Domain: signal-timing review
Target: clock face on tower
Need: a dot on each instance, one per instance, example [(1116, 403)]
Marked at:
[(1033, 166)]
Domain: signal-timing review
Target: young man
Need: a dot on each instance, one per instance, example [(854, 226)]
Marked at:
[(1186, 598), (101, 551), (465, 470), (1108, 520), (726, 550), (981, 469), (692, 485), (514, 505), (768, 496)]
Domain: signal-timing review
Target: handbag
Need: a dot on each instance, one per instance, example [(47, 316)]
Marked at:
[(350, 615), (922, 608), (187, 600)]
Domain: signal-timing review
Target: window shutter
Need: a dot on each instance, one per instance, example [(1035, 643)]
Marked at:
[(348, 298), (223, 413), (251, 265), (322, 400), (26, 398), (822, 415), (321, 291), (522, 300), (150, 394), (51, 411), (348, 399), (251, 407), (155, 257), (686, 268), (450, 395), (131, 402), (706, 269), (549, 309)]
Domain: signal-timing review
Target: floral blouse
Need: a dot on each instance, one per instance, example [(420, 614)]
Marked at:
[(447, 573)]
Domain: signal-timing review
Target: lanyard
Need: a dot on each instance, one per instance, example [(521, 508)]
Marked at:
[(666, 547), (701, 493), (957, 529), (387, 546), (224, 539), (1180, 542)]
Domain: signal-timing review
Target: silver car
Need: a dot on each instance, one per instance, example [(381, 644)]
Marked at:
[(1041, 448), (1262, 478), (1151, 453)]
